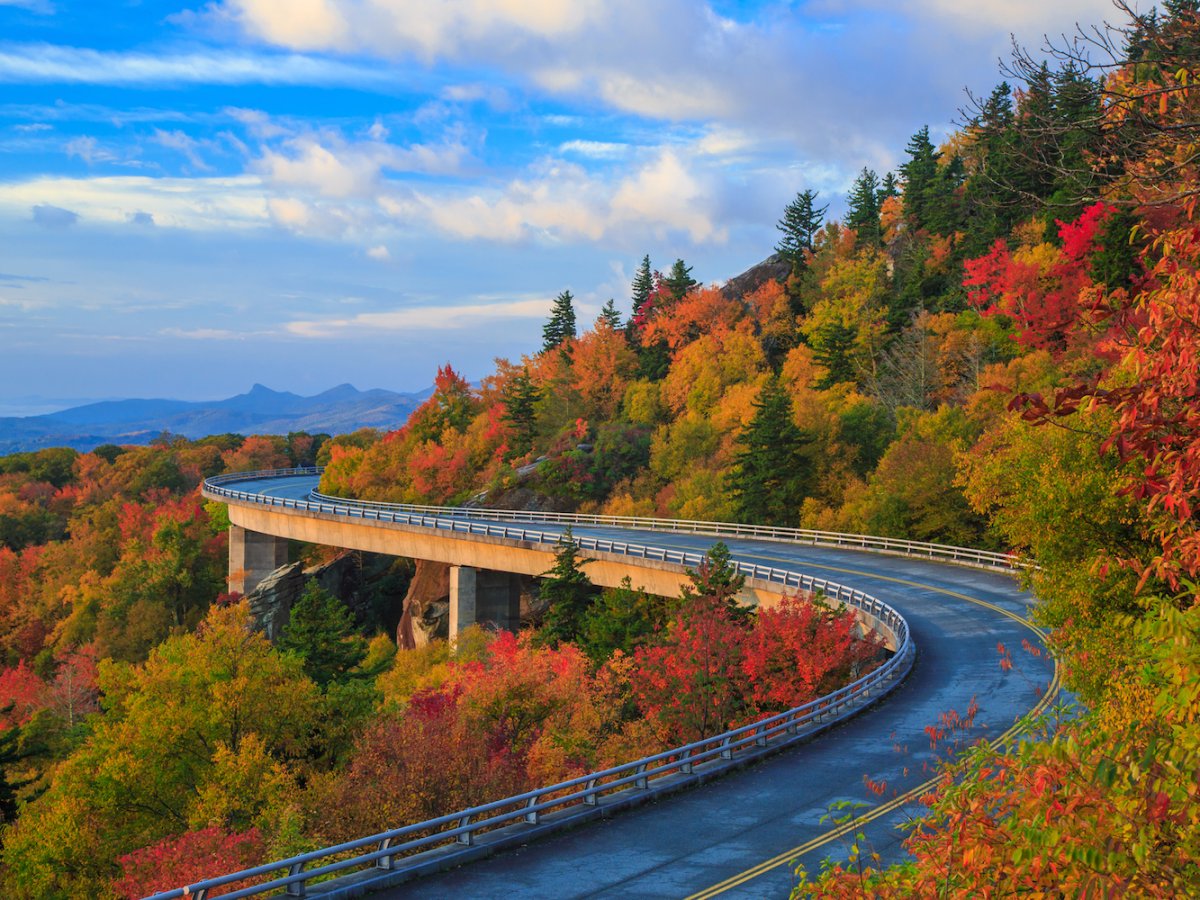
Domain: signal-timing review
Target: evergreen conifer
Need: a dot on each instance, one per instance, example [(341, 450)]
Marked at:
[(561, 324), (771, 470)]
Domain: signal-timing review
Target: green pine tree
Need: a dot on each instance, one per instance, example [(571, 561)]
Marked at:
[(322, 633), (568, 592), (609, 315), (920, 175), (718, 577), (643, 284), (772, 469), (833, 348), (889, 187), (679, 280), (801, 221), (520, 398), (561, 324), (863, 208), (621, 618)]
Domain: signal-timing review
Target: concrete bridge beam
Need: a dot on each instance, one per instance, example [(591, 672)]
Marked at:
[(483, 596), (252, 557)]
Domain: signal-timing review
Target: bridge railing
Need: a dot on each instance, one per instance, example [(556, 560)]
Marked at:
[(389, 850), (983, 559)]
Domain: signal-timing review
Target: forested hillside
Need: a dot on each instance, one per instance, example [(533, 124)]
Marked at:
[(997, 345)]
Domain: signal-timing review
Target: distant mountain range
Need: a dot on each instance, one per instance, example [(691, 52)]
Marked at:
[(260, 411)]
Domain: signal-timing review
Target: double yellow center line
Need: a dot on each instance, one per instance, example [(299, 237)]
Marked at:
[(895, 803)]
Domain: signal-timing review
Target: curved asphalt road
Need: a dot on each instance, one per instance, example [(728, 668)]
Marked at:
[(742, 836)]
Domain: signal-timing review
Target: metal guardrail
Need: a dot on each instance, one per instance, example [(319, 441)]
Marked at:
[(968, 556), (389, 849)]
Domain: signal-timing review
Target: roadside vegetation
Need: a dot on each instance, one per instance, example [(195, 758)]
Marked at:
[(997, 345)]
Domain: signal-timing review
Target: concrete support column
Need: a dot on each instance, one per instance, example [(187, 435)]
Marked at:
[(483, 596), (462, 599), (252, 557)]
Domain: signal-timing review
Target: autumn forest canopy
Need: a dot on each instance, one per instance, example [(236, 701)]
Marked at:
[(997, 346)]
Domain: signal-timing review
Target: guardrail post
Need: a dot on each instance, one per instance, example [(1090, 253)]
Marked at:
[(466, 837), (385, 862), (296, 888), (592, 797), (726, 749), (642, 781), (532, 816)]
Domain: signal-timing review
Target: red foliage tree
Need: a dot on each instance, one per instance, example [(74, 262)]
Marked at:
[(24, 690), (801, 649), (691, 683), (187, 858), (1048, 297)]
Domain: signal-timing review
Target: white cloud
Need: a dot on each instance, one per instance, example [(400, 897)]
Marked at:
[(46, 63), (194, 203), (495, 97), (667, 196), (331, 166), (292, 214), (595, 149), (88, 149), (188, 146), (1029, 17), (409, 26), (303, 24), (563, 201), (423, 318), (379, 252)]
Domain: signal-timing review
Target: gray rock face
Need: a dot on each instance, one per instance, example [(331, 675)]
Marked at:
[(773, 267), (271, 602), (367, 583), (426, 606)]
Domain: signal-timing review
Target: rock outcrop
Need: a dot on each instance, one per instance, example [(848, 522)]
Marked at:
[(370, 584), (773, 267)]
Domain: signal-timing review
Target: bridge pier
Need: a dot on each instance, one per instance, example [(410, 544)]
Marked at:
[(481, 595), (252, 557)]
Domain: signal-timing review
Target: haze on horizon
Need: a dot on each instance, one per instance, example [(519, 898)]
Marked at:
[(197, 196)]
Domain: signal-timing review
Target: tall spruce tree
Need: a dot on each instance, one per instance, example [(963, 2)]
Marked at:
[(833, 348), (643, 284), (520, 397), (920, 177), (801, 221), (321, 632), (568, 592), (609, 315), (561, 324), (679, 280), (889, 187), (772, 469), (863, 208)]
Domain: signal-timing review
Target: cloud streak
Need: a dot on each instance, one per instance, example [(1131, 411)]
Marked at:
[(52, 64), (422, 318)]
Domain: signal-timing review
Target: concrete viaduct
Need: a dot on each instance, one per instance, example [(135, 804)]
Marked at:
[(742, 835), (482, 588)]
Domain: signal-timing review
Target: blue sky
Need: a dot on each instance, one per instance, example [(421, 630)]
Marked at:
[(197, 196)]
